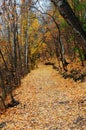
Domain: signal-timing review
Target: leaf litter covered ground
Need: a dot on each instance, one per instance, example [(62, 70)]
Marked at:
[(47, 102)]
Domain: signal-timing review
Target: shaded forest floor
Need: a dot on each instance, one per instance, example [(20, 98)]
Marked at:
[(47, 102)]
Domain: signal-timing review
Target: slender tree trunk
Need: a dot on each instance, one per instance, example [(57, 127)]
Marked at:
[(5, 64), (2, 85)]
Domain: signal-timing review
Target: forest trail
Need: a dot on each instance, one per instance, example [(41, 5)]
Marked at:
[(47, 102)]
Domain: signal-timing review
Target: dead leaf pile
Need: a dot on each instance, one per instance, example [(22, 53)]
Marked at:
[(47, 102)]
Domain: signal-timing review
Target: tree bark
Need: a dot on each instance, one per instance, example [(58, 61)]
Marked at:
[(68, 14)]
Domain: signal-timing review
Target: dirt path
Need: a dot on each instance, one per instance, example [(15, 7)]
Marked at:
[(47, 102)]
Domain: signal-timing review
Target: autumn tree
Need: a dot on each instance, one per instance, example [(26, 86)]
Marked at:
[(68, 14)]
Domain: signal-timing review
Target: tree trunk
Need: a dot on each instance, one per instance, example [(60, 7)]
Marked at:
[(68, 14)]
